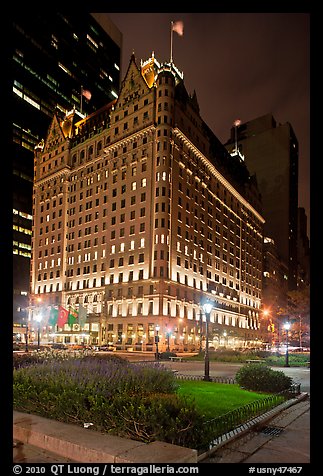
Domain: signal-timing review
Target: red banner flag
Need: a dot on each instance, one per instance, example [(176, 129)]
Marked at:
[(62, 316)]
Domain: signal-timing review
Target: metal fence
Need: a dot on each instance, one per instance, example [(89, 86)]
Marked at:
[(200, 377), (231, 422), (220, 426), (294, 389)]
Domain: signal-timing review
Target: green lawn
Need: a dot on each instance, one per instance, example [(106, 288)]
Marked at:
[(215, 399)]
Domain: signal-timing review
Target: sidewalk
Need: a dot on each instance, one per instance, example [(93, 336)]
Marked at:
[(285, 438), (25, 453)]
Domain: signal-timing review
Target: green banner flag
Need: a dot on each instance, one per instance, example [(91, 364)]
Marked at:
[(72, 317), (46, 314), (53, 316)]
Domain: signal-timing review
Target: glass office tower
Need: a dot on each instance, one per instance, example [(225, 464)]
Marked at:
[(60, 62)]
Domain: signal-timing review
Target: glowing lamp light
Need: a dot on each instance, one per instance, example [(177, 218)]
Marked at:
[(38, 317), (287, 327), (207, 307)]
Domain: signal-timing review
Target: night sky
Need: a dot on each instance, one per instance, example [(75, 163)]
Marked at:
[(241, 65)]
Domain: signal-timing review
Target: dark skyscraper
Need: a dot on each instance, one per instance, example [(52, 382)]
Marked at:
[(270, 151), (303, 249), (60, 61)]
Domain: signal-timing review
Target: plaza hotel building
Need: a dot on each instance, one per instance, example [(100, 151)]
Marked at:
[(140, 215)]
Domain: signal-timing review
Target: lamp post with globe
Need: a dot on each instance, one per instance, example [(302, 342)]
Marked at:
[(157, 341), (287, 327), (37, 316), (207, 307)]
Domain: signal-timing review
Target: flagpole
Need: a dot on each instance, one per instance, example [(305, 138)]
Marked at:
[(171, 41), (81, 99)]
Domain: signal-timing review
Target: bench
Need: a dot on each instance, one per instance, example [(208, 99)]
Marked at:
[(256, 361), (176, 359)]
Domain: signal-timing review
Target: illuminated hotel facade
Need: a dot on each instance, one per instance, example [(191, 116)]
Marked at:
[(140, 215)]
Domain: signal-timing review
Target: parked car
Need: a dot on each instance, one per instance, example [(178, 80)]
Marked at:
[(76, 347), (107, 348), (59, 346)]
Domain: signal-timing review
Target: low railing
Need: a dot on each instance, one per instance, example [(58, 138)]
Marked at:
[(201, 377), (294, 389), (220, 426)]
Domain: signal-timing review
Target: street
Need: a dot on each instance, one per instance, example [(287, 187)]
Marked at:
[(218, 369)]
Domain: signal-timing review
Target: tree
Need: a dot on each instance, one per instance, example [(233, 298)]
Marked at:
[(297, 312)]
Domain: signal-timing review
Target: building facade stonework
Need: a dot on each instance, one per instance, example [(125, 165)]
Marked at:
[(140, 215)]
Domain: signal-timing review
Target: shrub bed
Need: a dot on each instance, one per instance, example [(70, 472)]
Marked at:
[(134, 401)]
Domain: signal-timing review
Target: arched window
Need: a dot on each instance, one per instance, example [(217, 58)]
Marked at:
[(98, 147), (90, 151)]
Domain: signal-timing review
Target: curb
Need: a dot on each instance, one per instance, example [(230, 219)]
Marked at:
[(89, 446)]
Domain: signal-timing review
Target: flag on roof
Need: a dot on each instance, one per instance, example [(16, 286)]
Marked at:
[(178, 26), (86, 93)]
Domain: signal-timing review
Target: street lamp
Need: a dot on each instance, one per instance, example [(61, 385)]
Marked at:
[(168, 336), (224, 337), (27, 332), (156, 341), (207, 307), (286, 327), (38, 318)]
